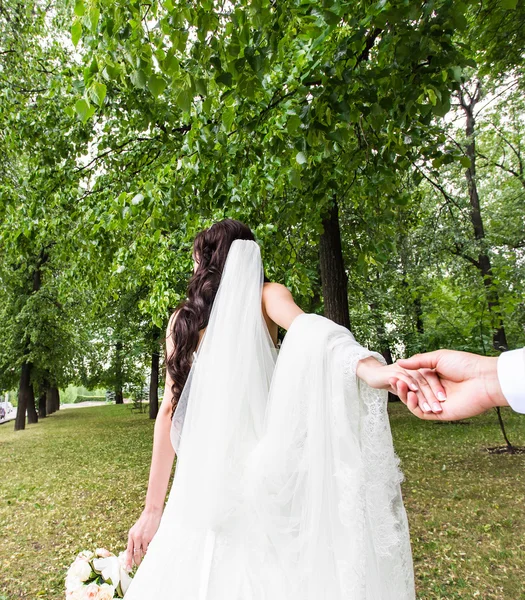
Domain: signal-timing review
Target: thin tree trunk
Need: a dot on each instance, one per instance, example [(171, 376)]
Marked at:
[(499, 337), (119, 397), (503, 430), (418, 309), (334, 279), (154, 386)]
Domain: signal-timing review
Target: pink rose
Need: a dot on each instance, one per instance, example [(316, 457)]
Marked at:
[(91, 592)]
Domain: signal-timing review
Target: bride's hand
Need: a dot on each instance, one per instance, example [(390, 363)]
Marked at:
[(140, 535), (424, 383)]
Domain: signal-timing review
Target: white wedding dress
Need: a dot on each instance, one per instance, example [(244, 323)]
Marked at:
[(286, 485)]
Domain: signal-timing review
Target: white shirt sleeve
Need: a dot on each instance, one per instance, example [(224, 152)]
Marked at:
[(511, 376)]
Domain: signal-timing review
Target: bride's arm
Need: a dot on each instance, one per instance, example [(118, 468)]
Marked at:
[(281, 308), (163, 452), (279, 304), (142, 532)]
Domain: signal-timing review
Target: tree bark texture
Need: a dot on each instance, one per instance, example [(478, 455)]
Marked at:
[(334, 279)]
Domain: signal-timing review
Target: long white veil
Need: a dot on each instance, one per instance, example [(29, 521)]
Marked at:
[(286, 485), (220, 415)]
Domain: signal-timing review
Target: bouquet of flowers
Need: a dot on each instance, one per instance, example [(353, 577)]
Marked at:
[(98, 575)]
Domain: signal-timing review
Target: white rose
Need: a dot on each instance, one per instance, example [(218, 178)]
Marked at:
[(106, 592), (73, 584), (85, 554), (102, 552), (80, 569)]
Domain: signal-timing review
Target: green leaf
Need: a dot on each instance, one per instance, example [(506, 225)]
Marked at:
[(184, 100), (200, 86), (137, 199), (110, 71), (80, 9), (84, 110), (76, 31), (294, 122), (456, 73), (295, 178), (171, 64), (432, 96), (509, 4), (98, 92), (228, 117), (330, 17), (441, 109), (300, 158), (94, 16), (225, 79), (156, 85), (138, 79), (464, 161)]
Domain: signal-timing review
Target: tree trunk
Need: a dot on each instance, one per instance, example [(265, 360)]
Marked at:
[(510, 447), (56, 393), (52, 399), (25, 396), (42, 408), (499, 337), (418, 309), (49, 402), (119, 397), (334, 279), (154, 386), (154, 378)]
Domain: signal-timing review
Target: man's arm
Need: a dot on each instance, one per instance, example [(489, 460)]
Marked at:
[(473, 383)]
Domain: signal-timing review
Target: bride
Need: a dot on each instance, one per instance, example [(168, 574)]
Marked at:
[(286, 485)]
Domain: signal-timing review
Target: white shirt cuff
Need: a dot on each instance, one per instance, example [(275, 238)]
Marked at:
[(511, 376)]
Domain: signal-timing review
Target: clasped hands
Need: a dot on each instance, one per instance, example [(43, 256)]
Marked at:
[(442, 385)]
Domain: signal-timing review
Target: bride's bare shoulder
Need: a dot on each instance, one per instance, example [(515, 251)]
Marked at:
[(279, 304)]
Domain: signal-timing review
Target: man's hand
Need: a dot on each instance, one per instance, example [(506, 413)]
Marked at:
[(470, 383)]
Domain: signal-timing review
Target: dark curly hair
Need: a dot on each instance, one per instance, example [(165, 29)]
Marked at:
[(210, 249)]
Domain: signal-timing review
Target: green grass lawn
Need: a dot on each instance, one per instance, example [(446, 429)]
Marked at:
[(78, 480)]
